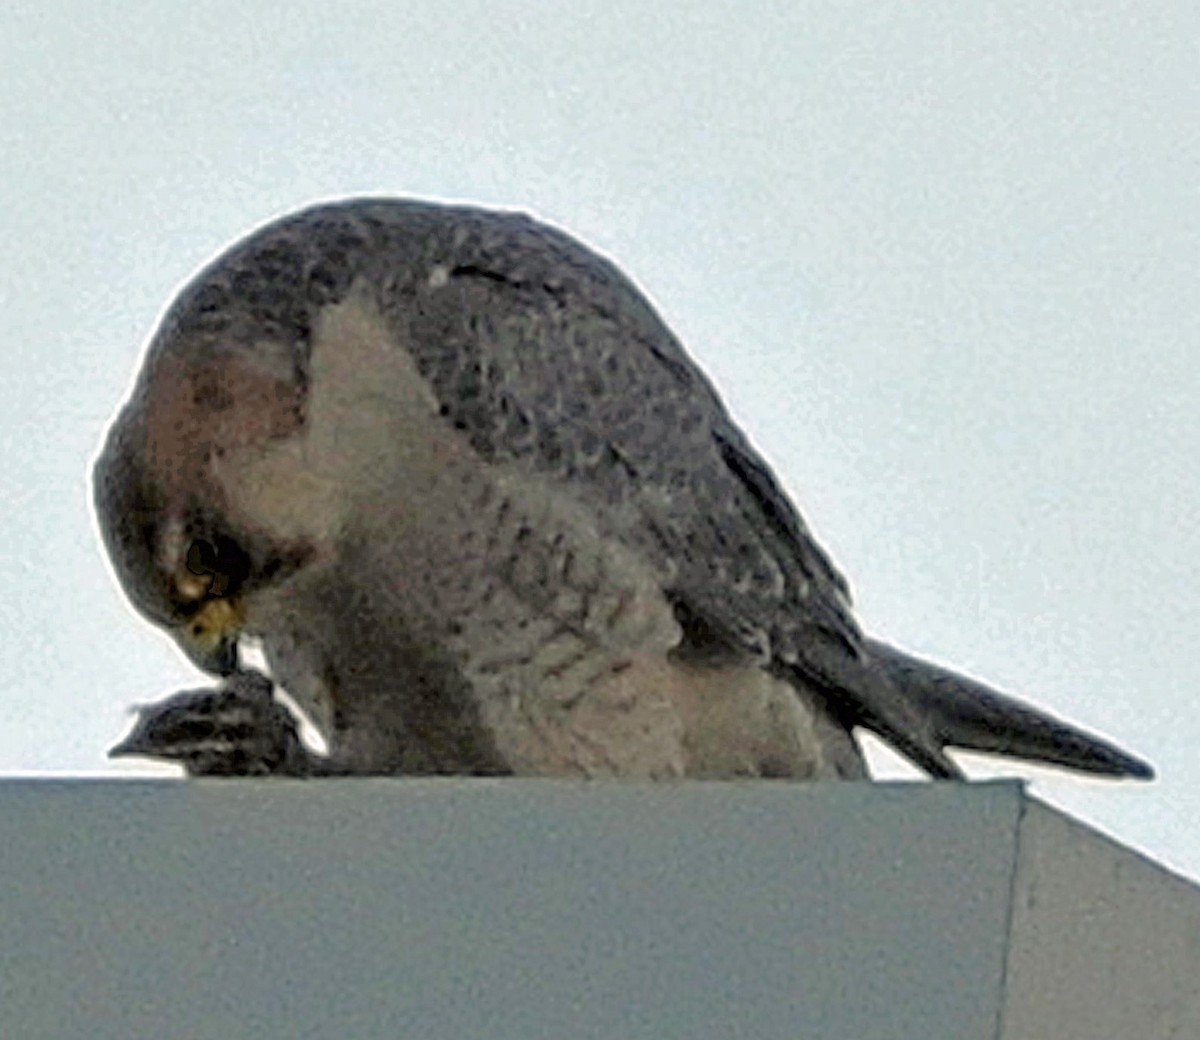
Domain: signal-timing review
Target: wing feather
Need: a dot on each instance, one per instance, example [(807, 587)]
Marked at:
[(546, 355)]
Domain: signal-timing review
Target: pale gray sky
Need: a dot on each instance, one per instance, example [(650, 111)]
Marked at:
[(936, 256)]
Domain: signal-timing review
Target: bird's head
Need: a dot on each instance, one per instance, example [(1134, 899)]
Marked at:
[(176, 563), (179, 549), (191, 527), (222, 381)]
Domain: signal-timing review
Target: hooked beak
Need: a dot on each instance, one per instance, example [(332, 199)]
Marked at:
[(210, 637)]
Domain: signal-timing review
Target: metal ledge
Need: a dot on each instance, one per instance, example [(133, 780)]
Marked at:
[(356, 909)]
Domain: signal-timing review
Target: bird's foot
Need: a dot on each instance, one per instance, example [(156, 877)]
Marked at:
[(237, 729)]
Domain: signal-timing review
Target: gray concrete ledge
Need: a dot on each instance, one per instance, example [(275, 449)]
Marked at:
[(357, 909)]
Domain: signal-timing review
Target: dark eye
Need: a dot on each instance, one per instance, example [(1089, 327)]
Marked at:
[(201, 557)]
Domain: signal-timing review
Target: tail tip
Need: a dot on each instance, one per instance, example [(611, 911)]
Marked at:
[(1135, 768)]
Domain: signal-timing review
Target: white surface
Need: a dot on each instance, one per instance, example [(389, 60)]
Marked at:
[(940, 258), (1099, 944), (529, 909)]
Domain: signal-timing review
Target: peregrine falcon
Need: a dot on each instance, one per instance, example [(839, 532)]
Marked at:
[(486, 516)]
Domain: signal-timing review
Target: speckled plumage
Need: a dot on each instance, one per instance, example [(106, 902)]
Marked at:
[(239, 730), (487, 516)]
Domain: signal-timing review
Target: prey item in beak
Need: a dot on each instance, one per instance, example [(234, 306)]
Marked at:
[(238, 729)]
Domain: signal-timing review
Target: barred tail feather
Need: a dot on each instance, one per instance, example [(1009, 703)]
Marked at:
[(964, 713)]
